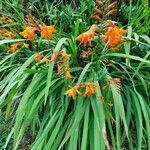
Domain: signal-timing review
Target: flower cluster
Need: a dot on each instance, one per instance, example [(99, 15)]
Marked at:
[(89, 89), (6, 33), (104, 11), (61, 58), (6, 19), (40, 58), (116, 81), (46, 32), (86, 53), (114, 35), (14, 47), (32, 26)]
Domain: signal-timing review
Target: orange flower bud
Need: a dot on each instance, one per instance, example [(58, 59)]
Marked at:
[(113, 11), (96, 17), (111, 5), (110, 23), (99, 3), (96, 10)]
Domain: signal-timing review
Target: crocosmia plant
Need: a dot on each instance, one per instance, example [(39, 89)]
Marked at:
[(74, 75)]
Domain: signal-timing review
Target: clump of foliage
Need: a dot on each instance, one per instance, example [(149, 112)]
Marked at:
[(75, 75)]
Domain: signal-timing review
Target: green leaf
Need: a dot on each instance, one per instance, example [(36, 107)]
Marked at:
[(11, 41), (129, 57)]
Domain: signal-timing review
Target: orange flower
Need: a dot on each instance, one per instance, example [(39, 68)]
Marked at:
[(67, 70), (41, 58), (90, 89), (25, 45), (88, 36), (13, 47), (60, 56), (65, 57), (110, 23), (47, 31), (73, 92), (114, 36), (38, 56), (44, 61), (68, 75), (28, 33)]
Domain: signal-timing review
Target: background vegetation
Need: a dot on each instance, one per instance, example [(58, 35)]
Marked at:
[(34, 112)]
